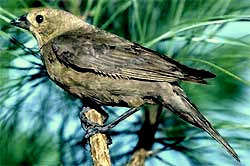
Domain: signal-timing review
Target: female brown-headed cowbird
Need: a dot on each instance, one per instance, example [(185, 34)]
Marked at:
[(105, 69)]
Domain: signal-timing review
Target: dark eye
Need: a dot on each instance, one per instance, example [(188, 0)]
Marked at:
[(39, 19)]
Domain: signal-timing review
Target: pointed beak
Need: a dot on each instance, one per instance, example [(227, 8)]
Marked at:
[(21, 22)]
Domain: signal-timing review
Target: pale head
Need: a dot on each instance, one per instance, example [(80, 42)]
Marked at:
[(46, 23)]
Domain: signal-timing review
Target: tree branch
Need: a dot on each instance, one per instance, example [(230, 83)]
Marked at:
[(98, 142), (138, 158), (146, 135)]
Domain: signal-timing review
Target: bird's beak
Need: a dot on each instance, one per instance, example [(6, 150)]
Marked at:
[(21, 22)]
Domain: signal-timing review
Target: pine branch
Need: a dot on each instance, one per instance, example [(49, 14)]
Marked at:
[(146, 136), (98, 142), (138, 158)]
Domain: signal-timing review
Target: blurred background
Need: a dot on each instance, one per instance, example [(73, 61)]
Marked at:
[(39, 123)]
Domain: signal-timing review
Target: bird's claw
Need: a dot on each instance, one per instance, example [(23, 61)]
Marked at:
[(93, 128)]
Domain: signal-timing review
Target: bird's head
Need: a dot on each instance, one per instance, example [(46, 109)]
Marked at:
[(46, 23)]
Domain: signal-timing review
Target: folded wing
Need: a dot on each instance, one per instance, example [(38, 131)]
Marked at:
[(110, 55)]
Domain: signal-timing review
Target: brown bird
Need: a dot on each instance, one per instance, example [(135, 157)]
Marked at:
[(104, 69)]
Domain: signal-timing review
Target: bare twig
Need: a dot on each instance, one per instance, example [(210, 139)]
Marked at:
[(98, 142), (146, 136), (138, 158)]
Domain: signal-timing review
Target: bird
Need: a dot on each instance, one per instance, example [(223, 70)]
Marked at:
[(102, 68)]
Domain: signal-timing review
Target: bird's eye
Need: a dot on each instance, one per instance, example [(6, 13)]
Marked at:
[(39, 19)]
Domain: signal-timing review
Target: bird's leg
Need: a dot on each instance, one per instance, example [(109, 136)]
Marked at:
[(93, 105), (119, 119), (90, 127), (94, 128)]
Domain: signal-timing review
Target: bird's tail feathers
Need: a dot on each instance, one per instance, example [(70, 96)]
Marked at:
[(215, 134), (189, 113)]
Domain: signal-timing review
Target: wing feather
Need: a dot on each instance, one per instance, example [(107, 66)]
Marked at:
[(102, 52)]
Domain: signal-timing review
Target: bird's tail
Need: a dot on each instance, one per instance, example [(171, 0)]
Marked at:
[(189, 113)]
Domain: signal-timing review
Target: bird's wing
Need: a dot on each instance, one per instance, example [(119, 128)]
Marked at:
[(110, 55)]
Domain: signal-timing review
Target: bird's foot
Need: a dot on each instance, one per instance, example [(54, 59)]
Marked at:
[(93, 128), (98, 129)]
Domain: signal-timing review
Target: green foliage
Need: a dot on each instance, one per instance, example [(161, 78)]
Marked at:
[(212, 34), (20, 148)]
